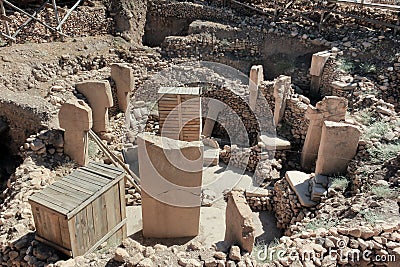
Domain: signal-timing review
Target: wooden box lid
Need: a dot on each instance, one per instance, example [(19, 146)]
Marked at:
[(179, 91)]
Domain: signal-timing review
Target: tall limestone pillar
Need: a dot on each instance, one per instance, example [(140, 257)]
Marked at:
[(99, 95), (124, 81), (75, 117), (330, 108)]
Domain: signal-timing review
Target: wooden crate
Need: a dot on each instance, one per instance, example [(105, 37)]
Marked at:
[(82, 210), (181, 108)]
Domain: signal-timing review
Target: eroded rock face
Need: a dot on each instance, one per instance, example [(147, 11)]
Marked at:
[(240, 228), (130, 19)]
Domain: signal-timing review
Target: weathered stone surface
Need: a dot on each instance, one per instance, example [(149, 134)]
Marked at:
[(318, 62), (234, 253), (171, 175), (256, 77), (210, 156), (121, 255), (99, 95), (299, 182), (240, 228), (124, 81), (282, 90), (75, 117), (339, 142), (331, 108), (214, 108), (275, 142)]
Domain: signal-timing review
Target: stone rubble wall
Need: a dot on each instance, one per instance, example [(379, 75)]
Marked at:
[(24, 115), (129, 19), (189, 10), (287, 207), (83, 21), (389, 83)]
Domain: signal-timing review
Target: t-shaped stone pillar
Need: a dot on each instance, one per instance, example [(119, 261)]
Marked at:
[(99, 95), (317, 67), (339, 143), (214, 108), (331, 108), (124, 81), (256, 77), (282, 89), (171, 178), (75, 117)]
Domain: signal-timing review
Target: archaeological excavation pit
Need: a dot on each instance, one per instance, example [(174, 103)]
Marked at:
[(8, 161), (110, 166)]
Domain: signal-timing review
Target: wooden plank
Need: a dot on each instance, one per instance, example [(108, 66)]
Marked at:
[(100, 224), (90, 225), (90, 178), (94, 196), (112, 167), (54, 193), (53, 199), (51, 244), (117, 202), (84, 184), (115, 170), (70, 192), (110, 208), (65, 235), (73, 235), (75, 187), (107, 175), (107, 236), (54, 228), (44, 202), (122, 203), (110, 173), (83, 230), (37, 217)]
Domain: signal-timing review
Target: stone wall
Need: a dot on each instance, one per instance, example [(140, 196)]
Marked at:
[(129, 19), (287, 207), (85, 20), (24, 114), (294, 124)]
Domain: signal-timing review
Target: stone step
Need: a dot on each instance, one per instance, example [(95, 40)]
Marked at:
[(300, 182), (210, 156), (275, 142)]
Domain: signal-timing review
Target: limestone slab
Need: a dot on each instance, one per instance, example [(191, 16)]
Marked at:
[(124, 81), (275, 142), (339, 143), (330, 108), (75, 117), (210, 156), (299, 182), (240, 229), (99, 95), (171, 178)]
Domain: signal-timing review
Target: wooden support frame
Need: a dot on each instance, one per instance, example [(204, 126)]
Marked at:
[(33, 17)]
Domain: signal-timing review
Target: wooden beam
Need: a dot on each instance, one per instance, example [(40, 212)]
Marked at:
[(372, 5)]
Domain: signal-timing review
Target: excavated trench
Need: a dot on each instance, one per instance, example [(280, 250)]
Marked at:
[(8, 160), (278, 54)]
